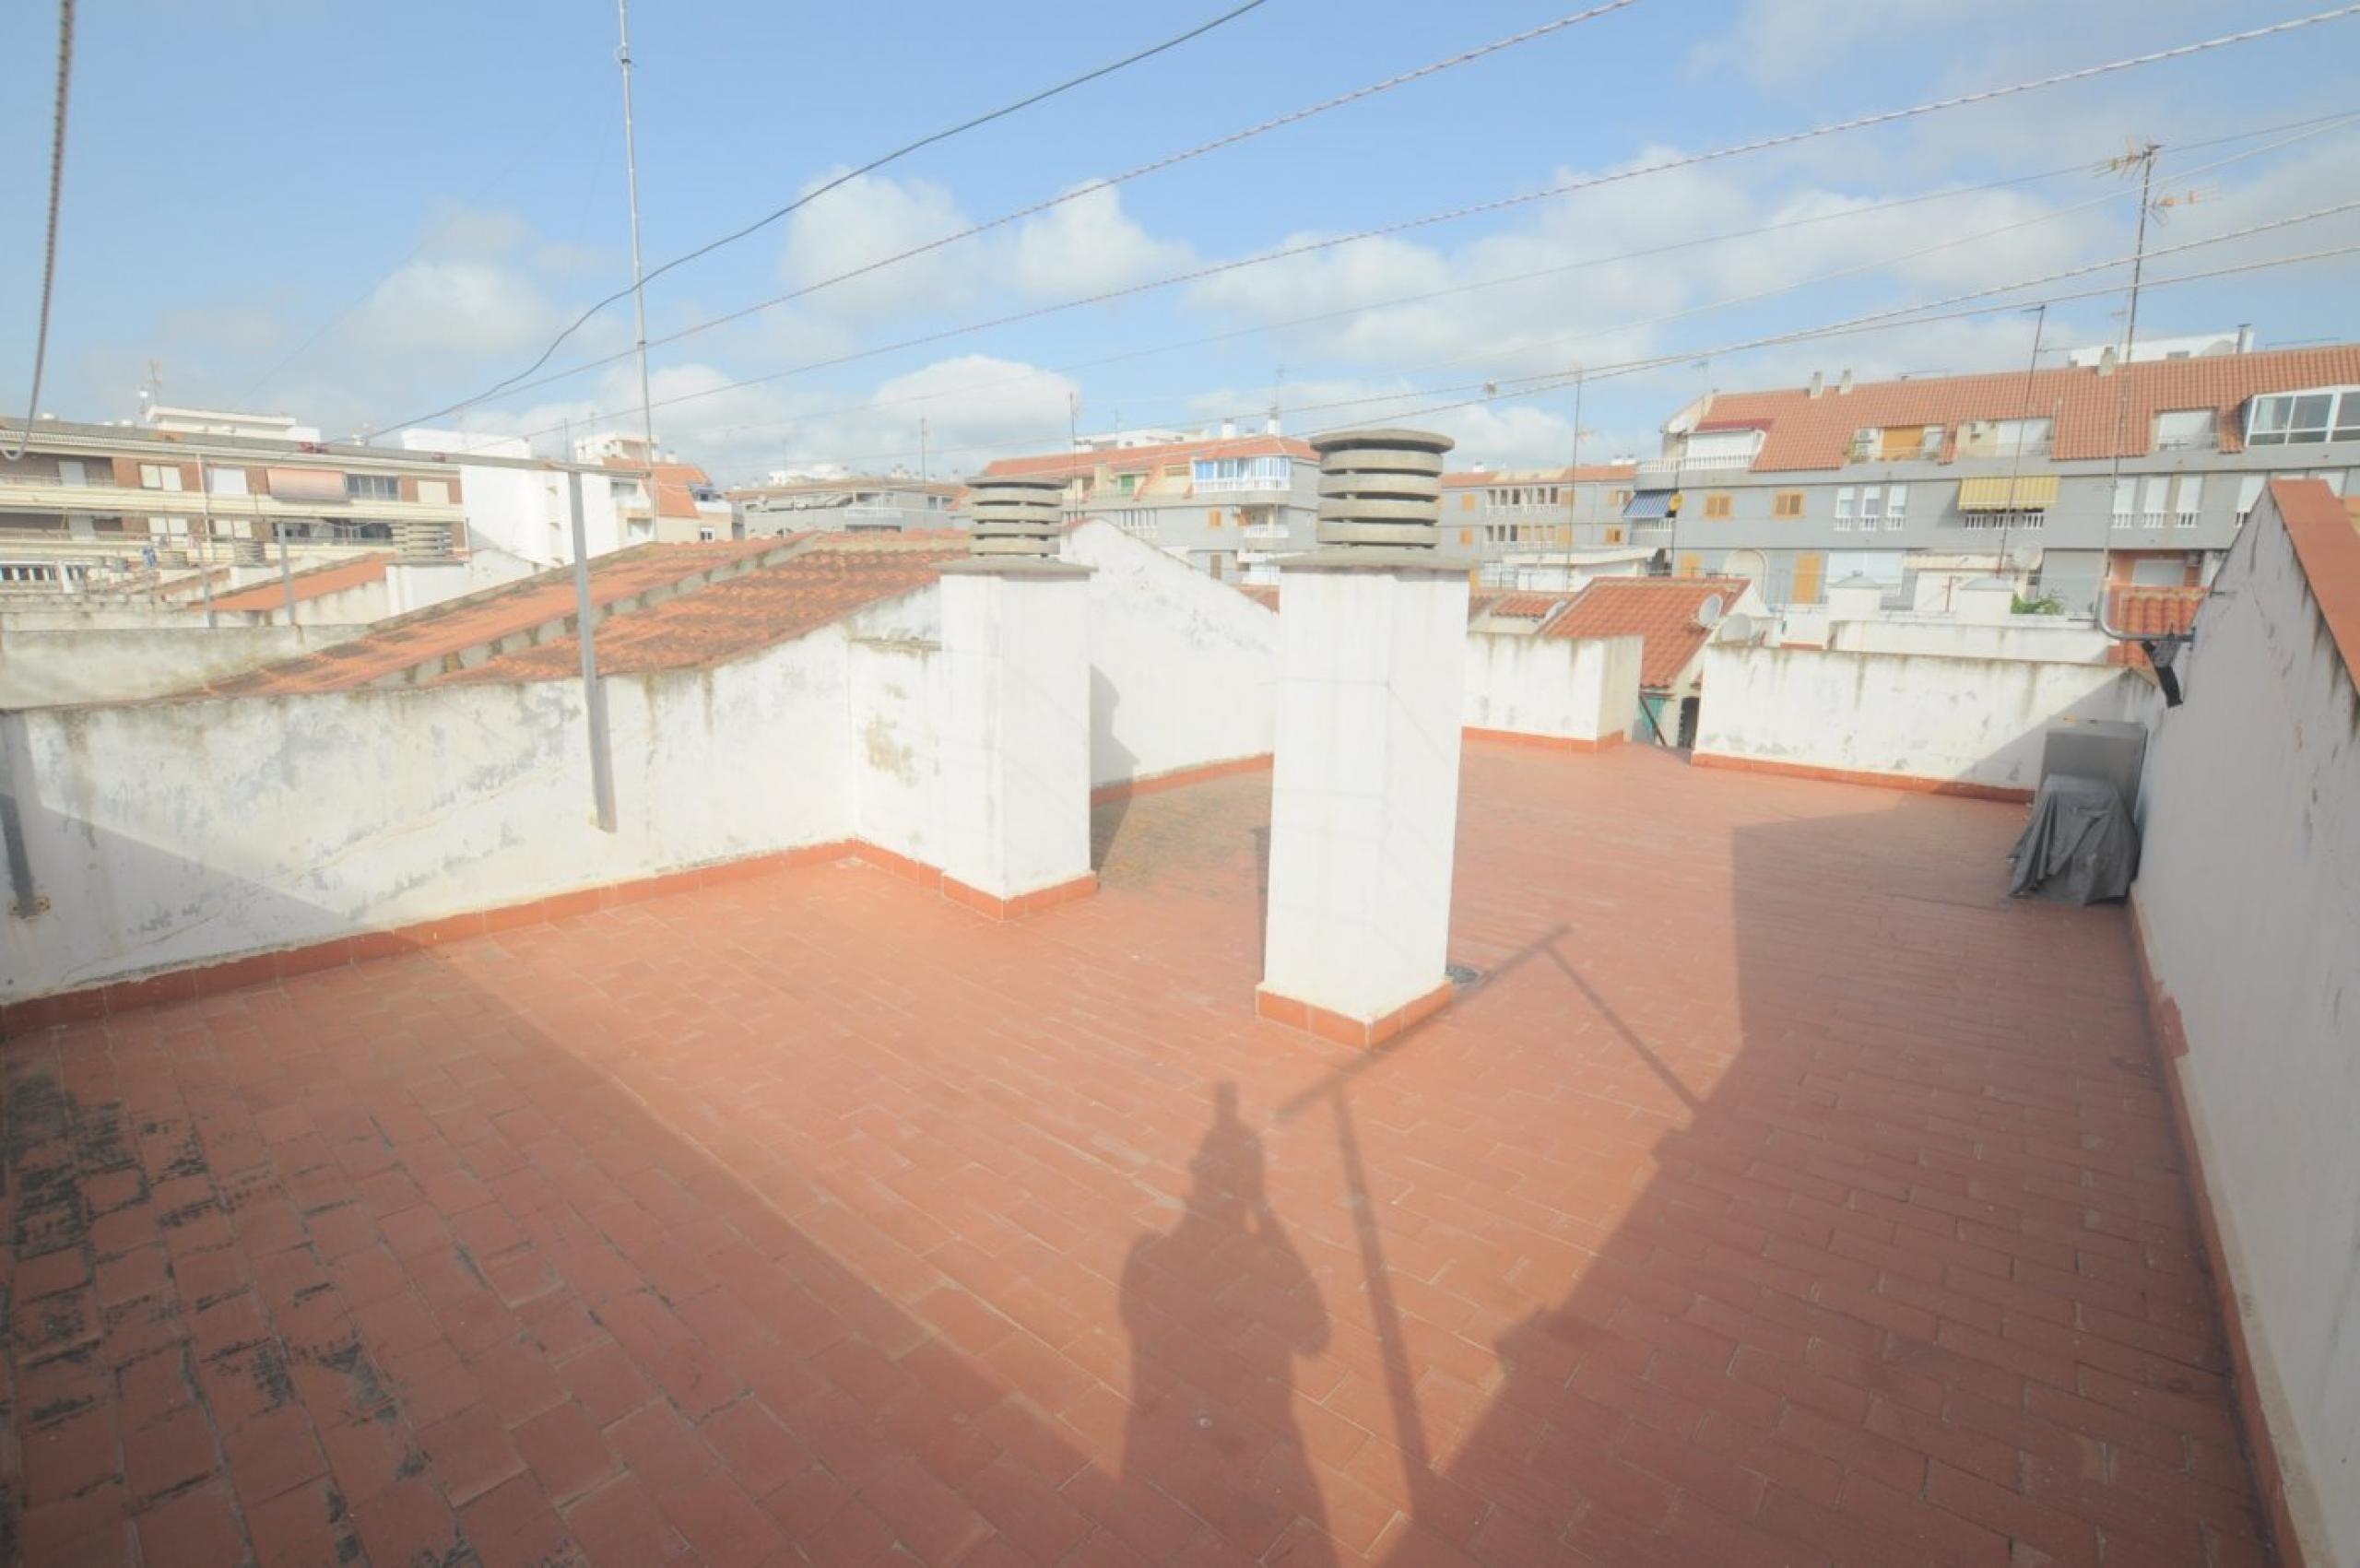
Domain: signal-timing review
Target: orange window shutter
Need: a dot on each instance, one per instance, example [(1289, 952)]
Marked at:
[(1690, 566), (1467, 500), (1212, 517), (1467, 536), (1808, 567)]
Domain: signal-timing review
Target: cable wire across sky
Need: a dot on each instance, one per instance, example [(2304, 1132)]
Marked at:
[(1757, 144)]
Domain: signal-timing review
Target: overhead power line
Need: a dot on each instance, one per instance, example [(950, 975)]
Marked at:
[(519, 382), (1763, 144), (2307, 127), (1901, 315), (1002, 112), (49, 246), (1689, 356)]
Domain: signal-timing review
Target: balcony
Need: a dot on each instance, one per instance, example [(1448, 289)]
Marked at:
[(1656, 472), (1243, 482), (1269, 532)]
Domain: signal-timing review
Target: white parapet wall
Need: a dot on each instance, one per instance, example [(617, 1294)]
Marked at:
[(2037, 638), (2248, 905), (46, 669), (176, 832), (1977, 722), (1184, 668), (1579, 689)]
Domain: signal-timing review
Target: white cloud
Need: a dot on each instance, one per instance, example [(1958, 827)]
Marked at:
[(867, 219), (1087, 246)]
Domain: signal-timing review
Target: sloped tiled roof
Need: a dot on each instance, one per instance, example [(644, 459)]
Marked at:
[(1263, 593), (1660, 609), (2319, 524), (1524, 606), (1805, 432), (826, 580), (2154, 612), (444, 630), (315, 583), (1128, 458)]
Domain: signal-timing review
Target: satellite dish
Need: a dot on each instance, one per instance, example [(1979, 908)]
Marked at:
[(1736, 628), (1708, 614)]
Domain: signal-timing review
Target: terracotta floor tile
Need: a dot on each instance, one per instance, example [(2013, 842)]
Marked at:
[(1758, 1200)]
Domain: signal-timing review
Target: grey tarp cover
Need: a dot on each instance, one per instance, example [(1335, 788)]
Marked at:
[(2080, 845)]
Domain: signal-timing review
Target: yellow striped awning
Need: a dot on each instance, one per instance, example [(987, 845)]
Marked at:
[(2027, 492)]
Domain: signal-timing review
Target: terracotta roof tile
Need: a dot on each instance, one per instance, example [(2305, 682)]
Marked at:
[(816, 587), (1660, 609), (314, 582), (1136, 457), (1263, 593), (445, 630), (1806, 432), (1524, 606), (2319, 526)]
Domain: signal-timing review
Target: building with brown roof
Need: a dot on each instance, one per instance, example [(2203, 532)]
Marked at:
[(1227, 504), (1503, 515), (1677, 616), (2062, 480)]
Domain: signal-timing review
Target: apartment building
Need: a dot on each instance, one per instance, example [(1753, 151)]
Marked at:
[(850, 503), (1229, 505), (1500, 516), (657, 499), (191, 485), (2063, 481)]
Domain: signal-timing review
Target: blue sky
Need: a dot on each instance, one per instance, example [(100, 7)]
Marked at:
[(358, 214)]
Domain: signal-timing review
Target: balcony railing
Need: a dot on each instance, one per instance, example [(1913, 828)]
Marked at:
[(2186, 519), (1656, 468), (1243, 482)]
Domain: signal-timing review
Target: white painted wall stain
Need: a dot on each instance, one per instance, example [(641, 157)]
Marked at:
[(1975, 721)]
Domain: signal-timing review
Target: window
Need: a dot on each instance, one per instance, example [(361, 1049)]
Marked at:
[(1896, 507), (227, 481), (2188, 507), (1620, 499), (1467, 500), (2183, 429), (2126, 498), (2248, 492), (70, 471), (625, 491), (1844, 496), (372, 487), (1212, 517), (1787, 504), (435, 492), (160, 476), (1899, 444), (2151, 499), (704, 536), (2304, 418), (2021, 437), (1240, 473), (2171, 572), (1871, 506), (1176, 470), (1717, 504), (1467, 536)]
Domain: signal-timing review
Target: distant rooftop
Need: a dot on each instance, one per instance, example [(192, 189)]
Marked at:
[(1807, 431), (1662, 610), (1125, 459)]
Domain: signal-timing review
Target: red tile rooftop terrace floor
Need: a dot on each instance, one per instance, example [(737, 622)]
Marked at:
[(1781, 1194)]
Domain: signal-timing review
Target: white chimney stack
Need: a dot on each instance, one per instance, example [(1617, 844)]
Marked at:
[(1844, 384), (1365, 792), (1819, 383), (1015, 729)]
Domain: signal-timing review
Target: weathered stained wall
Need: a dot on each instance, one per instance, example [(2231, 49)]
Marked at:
[(169, 833), (1968, 721), (40, 669), (2041, 638), (1184, 668), (894, 697), (2248, 902), (1562, 687)]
